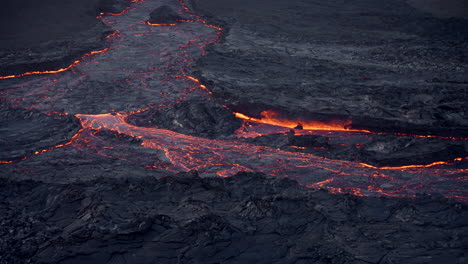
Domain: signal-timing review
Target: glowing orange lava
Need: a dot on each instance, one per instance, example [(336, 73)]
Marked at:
[(271, 118), (436, 163), (160, 24), (175, 152), (76, 62)]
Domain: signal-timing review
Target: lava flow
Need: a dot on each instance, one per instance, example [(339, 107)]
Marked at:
[(145, 67), (272, 118)]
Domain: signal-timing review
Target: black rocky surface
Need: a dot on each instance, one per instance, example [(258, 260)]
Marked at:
[(204, 119), (249, 218), (387, 65), (164, 15), (50, 34), (23, 132), (401, 150), (378, 150)]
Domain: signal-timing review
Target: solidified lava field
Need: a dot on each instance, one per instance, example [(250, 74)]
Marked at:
[(203, 131)]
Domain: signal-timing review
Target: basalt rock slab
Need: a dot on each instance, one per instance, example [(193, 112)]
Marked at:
[(204, 119), (24, 132), (249, 218), (164, 15)]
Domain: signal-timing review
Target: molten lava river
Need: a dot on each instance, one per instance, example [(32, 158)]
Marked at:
[(145, 68)]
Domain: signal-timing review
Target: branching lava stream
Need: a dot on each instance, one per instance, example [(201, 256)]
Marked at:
[(145, 67)]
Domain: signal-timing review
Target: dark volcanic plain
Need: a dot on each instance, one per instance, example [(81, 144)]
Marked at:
[(382, 64), (117, 159)]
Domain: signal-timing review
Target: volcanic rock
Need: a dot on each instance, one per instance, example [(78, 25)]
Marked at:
[(363, 60), (249, 218), (111, 6), (23, 132), (164, 15), (285, 140), (380, 150), (115, 137), (49, 34), (204, 119), (398, 150)]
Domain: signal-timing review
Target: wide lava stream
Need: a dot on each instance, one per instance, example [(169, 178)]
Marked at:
[(145, 67)]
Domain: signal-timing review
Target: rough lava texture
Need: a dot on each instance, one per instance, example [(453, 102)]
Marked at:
[(23, 132), (249, 218), (49, 34), (164, 15), (114, 195), (377, 150), (382, 64), (203, 119), (398, 150)]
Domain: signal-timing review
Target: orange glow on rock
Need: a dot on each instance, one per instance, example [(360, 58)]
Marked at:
[(180, 152), (271, 118), (76, 62), (436, 163), (160, 24)]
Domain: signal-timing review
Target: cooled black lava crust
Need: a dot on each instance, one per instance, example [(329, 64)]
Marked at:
[(248, 218), (50, 34), (385, 65)]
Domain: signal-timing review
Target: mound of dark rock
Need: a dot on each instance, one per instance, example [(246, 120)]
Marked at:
[(249, 218), (23, 132), (204, 119), (164, 15)]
